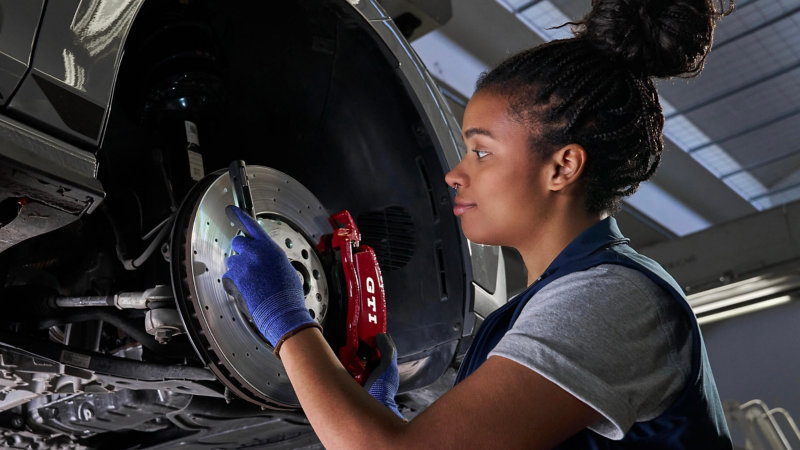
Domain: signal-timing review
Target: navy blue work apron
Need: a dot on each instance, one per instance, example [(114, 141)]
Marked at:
[(694, 421)]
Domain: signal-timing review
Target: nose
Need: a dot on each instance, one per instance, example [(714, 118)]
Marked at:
[(457, 176)]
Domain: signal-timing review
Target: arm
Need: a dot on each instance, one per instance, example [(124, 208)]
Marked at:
[(502, 405)]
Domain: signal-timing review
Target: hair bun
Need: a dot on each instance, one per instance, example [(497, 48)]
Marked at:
[(663, 38)]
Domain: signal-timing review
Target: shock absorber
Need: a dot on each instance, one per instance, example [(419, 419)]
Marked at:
[(175, 87)]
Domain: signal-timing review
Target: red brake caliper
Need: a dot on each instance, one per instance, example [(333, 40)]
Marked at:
[(366, 303)]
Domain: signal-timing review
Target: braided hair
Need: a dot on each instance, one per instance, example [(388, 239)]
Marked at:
[(596, 89)]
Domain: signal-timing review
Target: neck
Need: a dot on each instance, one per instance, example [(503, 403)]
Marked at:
[(553, 233)]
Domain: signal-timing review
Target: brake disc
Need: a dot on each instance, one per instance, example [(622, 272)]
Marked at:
[(222, 330)]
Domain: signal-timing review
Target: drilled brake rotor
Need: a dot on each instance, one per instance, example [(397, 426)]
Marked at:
[(222, 330)]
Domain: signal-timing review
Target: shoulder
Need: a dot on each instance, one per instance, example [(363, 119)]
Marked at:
[(605, 277), (607, 290), (610, 336)]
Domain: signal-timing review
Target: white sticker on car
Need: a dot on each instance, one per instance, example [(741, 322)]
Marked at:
[(196, 165), (191, 133)]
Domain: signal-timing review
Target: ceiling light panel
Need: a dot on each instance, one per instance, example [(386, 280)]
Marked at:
[(542, 17)]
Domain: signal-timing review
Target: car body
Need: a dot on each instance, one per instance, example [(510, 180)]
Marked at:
[(97, 99)]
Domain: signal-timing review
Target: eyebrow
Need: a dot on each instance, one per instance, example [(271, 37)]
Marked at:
[(473, 131)]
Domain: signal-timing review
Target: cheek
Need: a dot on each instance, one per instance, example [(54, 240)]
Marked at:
[(505, 204)]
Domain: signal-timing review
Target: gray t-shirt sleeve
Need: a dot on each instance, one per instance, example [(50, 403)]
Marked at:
[(609, 336)]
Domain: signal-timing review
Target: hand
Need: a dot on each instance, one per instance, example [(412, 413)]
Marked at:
[(263, 277), (383, 382)]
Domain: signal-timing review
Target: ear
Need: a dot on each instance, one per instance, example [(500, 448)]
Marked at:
[(567, 166)]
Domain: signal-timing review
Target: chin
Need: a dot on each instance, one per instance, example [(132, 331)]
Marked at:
[(483, 234)]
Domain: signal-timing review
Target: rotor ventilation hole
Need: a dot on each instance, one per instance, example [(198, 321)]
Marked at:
[(303, 274), (390, 232)]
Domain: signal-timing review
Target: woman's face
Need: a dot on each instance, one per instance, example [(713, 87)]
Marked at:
[(502, 188)]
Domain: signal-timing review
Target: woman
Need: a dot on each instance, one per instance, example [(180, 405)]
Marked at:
[(601, 350)]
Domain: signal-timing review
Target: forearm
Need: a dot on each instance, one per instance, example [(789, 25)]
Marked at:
[(342, 413)]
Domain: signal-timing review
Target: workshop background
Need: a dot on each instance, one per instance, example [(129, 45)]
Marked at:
[(721, 214), (119, 121)]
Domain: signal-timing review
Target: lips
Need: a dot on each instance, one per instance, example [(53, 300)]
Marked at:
[(462, 206)]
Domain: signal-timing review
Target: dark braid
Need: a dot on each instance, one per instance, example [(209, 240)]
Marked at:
[(596, 89)]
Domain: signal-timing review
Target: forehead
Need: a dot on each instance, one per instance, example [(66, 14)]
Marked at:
[(489, 112), (485, 106)]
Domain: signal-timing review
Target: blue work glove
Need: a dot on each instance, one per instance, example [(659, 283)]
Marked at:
[(263, 277), (383, 382)]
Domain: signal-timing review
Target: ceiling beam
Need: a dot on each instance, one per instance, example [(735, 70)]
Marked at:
[(768, 77), (746, 131), (775, 192), (526, 6), (739, 7), (759, 27), (762, 163)]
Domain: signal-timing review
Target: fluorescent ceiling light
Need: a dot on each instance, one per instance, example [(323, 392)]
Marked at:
[(744, 310), (544, 15), (736, 300), (743, 296), (666, 210), (762, 285)]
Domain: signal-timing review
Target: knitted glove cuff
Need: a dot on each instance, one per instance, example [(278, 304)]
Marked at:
[(280, 314), (277, 350), (384, 393)]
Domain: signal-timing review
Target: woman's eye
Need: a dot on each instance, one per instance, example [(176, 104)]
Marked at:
[(480, 153)]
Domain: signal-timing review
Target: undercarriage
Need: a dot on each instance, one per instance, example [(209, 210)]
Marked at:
[(116, 330)]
